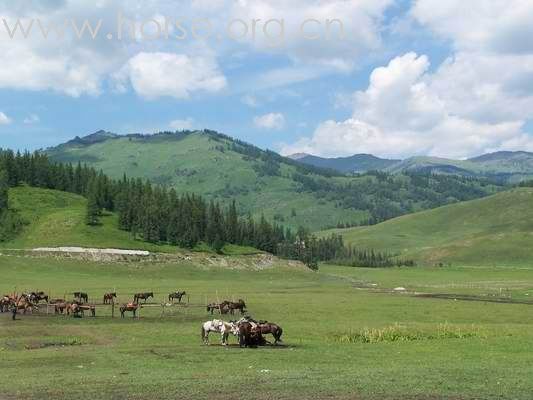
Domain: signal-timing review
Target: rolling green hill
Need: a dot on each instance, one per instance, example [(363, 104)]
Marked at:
[(497, 230), (262, 182), (55, 218)]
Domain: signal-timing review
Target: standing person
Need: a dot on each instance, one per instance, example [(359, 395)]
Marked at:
[(14, 311)]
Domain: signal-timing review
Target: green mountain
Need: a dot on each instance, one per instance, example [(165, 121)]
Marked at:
[(263, 182), (496, 230), (503, 166), (359, 163)]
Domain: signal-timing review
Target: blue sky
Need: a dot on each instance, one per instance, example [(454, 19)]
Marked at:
[(409, 77)]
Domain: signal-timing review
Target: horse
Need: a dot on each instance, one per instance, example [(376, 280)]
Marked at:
[(56, 301), (132, 307), (219, 326), (142, 296), (275, 330), (75, 310), (60, 307), (81, 296), (110, 297), (222, 307), (236, 305), (250, 335), (36, 297), (23, 303), (176, 295), (5, 303), (87, 307)]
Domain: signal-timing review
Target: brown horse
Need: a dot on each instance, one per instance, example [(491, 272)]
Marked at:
[(176, 295), (56, 301), (110, 297), (81, 296), (36, 297), (268, 327), (222, 307), (142, 296), (236, 305), (131, 307), (61, 306), (23, 303), (5, 303), (74, 309), (250, 336)]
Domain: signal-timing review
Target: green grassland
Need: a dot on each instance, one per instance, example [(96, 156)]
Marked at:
[(493, 231), (154, 357)]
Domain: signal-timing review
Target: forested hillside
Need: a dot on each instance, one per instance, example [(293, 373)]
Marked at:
[(265, 183)]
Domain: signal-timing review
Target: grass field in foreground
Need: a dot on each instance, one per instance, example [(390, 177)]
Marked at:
[(163, 358)]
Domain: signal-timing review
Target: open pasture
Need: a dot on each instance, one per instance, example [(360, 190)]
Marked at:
[(340, 341)]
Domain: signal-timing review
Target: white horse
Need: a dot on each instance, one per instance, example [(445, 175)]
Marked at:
[(219, 326)]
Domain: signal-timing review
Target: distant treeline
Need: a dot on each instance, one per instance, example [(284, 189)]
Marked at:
[(156, 214)]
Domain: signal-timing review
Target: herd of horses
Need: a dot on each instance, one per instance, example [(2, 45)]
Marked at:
[(249, 333), (29, 302)]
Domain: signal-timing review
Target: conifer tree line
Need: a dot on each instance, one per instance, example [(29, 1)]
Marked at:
[(160, 215)]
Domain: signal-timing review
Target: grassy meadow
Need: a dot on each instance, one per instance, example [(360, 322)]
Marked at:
[(484, 352)]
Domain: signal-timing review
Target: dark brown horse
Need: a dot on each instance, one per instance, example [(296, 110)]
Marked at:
[(268, 327), (81, 296), (176, 295), (36, 297), (250, 336), (142, 296), (131, 307), (110, 297), (236, 305)]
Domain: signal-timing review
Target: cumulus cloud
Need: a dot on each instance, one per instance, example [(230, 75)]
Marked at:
[(406, 110), (159, 74), (4, 119), (273, 121)]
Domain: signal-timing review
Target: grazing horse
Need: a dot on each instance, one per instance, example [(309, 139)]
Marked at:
[(75, 310), (250, 335), (142, 296), (132, 307), (109, 298), (237, 305), (222, 307), (36, 297), (176, 295), (275, 330), (56, 301), (219, 326), (81, 296)]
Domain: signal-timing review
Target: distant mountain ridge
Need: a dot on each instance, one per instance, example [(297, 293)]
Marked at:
[(505, 166)]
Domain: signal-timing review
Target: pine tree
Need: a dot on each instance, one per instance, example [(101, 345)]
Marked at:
[(4, 188), (93, 210)]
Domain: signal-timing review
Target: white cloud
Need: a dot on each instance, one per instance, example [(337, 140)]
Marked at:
[(154, 75), (489, 25), (182, 124), (32, 119), (406, 110), (273, 121), (4, 119)]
